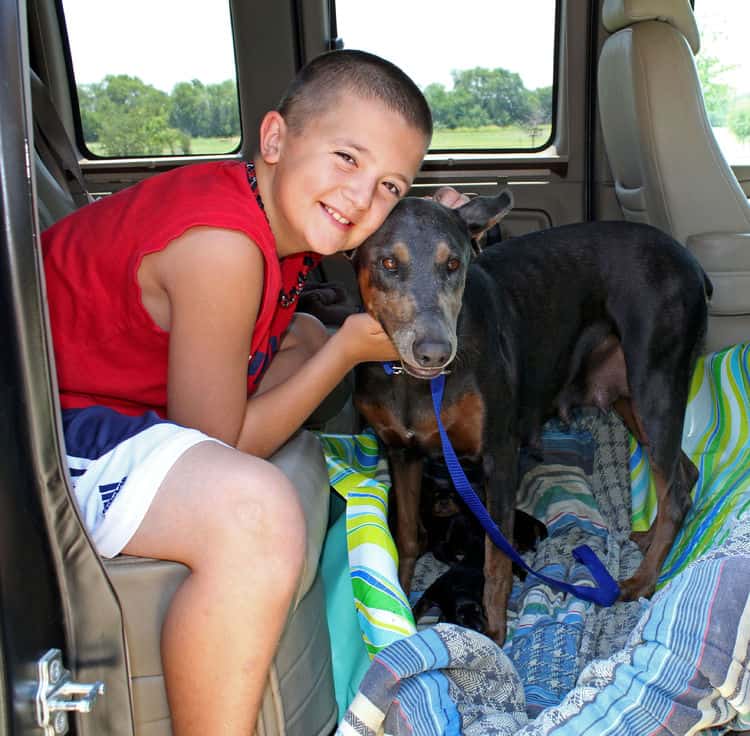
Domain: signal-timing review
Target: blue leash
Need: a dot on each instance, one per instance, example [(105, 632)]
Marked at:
[(604, 593)]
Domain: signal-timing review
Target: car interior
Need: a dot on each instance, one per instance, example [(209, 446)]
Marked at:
[(629, 138)]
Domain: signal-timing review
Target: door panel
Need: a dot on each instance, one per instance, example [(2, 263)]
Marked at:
[(53, 591)]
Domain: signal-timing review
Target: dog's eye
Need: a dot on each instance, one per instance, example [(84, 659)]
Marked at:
[(389, 264), (453, 264)]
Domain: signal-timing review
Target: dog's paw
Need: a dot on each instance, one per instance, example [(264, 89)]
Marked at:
[(640, 585)]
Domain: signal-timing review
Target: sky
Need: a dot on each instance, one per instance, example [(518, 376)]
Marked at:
[(429, 40), (433, 38)]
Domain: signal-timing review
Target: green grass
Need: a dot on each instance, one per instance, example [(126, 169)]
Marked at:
[(213, 145), (198, 146), (489, 136)]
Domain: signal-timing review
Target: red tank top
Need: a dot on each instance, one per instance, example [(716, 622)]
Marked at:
[(108, 350)]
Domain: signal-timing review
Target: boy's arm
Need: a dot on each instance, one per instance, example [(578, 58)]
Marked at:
[(273, 416), (214, 281)]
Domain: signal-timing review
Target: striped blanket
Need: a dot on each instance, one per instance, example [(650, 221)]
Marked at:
[(579, 664), (716, 437)]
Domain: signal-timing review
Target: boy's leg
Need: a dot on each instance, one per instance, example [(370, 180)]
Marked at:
[(236, 522)]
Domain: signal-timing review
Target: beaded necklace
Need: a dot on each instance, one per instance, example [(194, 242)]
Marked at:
[(289, 298)]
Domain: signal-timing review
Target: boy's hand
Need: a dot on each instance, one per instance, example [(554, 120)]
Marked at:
[(366, 340)]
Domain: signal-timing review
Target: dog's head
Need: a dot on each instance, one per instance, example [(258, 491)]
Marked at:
[(412, 272)]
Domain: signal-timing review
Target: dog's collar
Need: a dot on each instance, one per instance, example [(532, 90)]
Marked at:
[(397, 369)]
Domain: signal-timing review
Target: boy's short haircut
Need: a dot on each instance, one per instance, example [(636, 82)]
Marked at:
[(349, 71)]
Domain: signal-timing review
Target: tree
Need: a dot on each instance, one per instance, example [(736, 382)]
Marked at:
[(541, 103), (128, 117), (191, 108), (739, 120), (498, 92), (487, 97), (224, 109), (90, 121), (716, 95), (441, 105)]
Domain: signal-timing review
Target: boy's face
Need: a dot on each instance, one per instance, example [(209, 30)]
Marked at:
[(335, 181)]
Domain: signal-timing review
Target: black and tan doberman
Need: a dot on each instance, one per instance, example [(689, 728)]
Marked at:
[(606, 314)]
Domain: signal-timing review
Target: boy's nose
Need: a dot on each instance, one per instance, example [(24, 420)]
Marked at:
[(360, 192)]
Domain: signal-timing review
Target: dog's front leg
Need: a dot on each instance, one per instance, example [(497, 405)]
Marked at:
[(406, 477), (501, 473)]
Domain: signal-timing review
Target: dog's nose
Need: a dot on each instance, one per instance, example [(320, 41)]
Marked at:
[(432, 353)]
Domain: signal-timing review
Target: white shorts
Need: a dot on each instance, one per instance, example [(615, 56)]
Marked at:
[(117, 464)]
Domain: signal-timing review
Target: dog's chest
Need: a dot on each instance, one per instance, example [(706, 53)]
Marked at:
[(412, 423)]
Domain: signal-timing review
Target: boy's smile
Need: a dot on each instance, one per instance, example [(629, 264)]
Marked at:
[(330, 185), (340, 219)]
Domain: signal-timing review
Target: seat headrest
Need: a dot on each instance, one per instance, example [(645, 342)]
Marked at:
[(618, 14)]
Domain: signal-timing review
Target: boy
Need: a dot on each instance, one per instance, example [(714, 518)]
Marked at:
[(157, 296)]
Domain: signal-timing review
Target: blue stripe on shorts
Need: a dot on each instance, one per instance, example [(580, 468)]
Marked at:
[(117, 463), (95, 430)]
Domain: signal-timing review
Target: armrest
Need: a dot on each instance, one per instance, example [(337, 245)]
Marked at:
[(725, 257)]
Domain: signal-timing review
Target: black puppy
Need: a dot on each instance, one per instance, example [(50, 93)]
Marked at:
[(452, 533), (458, 595), (607, 313), (456, 538)]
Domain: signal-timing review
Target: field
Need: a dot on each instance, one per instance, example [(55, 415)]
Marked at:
[(487, 137), (490, 136), (198, 146)]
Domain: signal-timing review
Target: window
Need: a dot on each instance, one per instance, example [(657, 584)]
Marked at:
[(154, 78), (724, 69), (486, 66)]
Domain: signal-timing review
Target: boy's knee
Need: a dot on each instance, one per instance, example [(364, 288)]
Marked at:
[(262, 515)]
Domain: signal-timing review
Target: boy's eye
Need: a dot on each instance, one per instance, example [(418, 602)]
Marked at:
[(389, 264), (346, 157), (392, 188)]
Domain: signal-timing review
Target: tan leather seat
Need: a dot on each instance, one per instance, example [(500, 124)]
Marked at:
[(298, 700), (667, 167)]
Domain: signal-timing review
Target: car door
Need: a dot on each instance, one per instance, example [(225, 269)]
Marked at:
[(53, 592)]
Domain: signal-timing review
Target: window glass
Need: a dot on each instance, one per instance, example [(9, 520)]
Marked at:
[(485, 66), (154, 78), (724, 69)]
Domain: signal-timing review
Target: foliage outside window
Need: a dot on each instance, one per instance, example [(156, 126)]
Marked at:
[(486, 68), (724, 71), (147, 94)]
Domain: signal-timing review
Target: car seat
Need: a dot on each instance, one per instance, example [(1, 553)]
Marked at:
[(667, 167)]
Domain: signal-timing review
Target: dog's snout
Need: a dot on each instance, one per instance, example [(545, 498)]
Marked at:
[(431, 353)]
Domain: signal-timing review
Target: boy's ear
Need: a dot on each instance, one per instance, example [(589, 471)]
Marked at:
[(272, 132)]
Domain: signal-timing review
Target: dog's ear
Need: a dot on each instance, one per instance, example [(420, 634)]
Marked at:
[(481, 213)]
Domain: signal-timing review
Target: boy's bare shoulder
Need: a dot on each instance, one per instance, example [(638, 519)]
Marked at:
[(206, 253), (205, 268)]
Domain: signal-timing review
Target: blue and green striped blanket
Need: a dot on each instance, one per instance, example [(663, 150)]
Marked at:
[(572, 657)]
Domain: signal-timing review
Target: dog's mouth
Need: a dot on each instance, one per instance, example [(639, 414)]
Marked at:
[(426, 374)]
